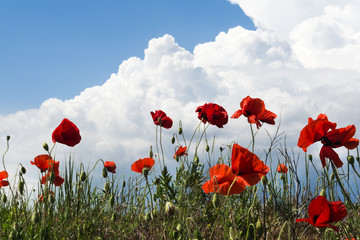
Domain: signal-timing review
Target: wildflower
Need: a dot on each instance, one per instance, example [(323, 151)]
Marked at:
[(223, 181), (160, 118), (110, 166), (254, 110), (66, 133), (58, 180), (323, 130), (212, 113), (45, 162), (247, 165), (180, 152), (282, 168), (4, 175), (140, 164), (322, 212)]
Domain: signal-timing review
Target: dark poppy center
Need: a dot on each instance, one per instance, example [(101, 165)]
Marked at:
[(315, 218), (326, 141), (247, 113)]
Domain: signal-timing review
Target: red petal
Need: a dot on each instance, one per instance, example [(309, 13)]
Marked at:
[(237, 114), (337, 211), (319, 207), (328, 152), (3, 175)]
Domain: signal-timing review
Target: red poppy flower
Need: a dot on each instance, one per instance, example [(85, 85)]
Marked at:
[(58, 181), (4, 175), (45, 162), (66, 133), (110, 166), (223, 181), (160, 118), (322, 212), (140, 164), (323, 130), (254, 110), (247, 165), (180, 152), (212, 113), (282, 168)]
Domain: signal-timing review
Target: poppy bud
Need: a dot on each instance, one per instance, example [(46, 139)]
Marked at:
[(258, 226), (107, 187), (151, 154), (145, 171), (148, 217), (7, 138), (112, 200), (310, 157), (4, 198), (46, 147), (104, 173), (282, 177), (124, 184), (196, 160), (82, 176), (207, 148), (21, 187), (179, 227), (173, 140), (176, 158), (222, 149), (358, 159), (350, 159), (264, 180), (216, 201), (180, 130), (323, 193), (35, 218), (170, 208)]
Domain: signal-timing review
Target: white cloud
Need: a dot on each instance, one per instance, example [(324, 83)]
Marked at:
[(269, 63)]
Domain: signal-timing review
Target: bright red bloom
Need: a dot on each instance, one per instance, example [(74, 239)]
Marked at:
[(212, 113), (58, 181), (247, 165), (254, 110), (323, 130), (180, 152), (4, 175), (45, 162), (140, 164), (221, 179), (282, 168), (66, 133), (110, 166), (160, 118), (322, 212)]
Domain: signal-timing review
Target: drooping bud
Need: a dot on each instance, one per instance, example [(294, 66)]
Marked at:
[(351, 159), (21, 187), (23, 170), (180, 130), (170, 208), (323, 193), (148, 217), (82, 176), (264, 180), (196, 160), (207, 148), (46, 147), (104, 173), (310, 157), (7, 138), (173, 140), (216, 200)]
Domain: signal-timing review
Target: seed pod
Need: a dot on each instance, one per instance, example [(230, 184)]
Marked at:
[(82, 176), (21, 187), (196, 160), (46, 147), (104, 173), (258, 226)]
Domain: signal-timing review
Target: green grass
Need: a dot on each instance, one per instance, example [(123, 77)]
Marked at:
[(174, 206)]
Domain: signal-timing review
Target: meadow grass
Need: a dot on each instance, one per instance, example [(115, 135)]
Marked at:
[(160, 204)]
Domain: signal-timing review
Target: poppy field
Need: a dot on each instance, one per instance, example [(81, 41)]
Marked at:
[(240, 195)]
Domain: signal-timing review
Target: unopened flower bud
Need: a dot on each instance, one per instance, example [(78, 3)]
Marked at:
[(207, 148), (107, 187), (216, 200), (35, 218), (21, 187), (82, 176), (148, 217), (4, 198), (104, 173), (46, 147), (264, 180), (180, 130), (179, 227), (173, 140), (124, 184), (310, 157), (112, 200), (170, 208), (258, 226), (323, 193), (196, 160), (23, 170), (7, 138), (351, 159), (358, 159)]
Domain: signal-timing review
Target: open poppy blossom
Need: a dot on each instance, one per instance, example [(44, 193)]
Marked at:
[(58, 180), (180, 152), (110, 166), (44, 162), (322, 212), (223, 181), (247, 165), (160, 119), (140, 164), (254, 110), (282, 168), (212, 113), (323, 130), (66, 133), (4, 175)]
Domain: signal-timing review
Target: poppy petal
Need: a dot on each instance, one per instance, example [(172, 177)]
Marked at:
[(328, 152)]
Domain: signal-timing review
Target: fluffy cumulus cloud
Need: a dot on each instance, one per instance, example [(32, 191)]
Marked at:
[(301, 61)]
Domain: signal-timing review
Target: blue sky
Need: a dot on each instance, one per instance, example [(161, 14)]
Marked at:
[(59, 48)]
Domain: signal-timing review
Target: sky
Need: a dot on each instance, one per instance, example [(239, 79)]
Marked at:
[(105, 67)]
